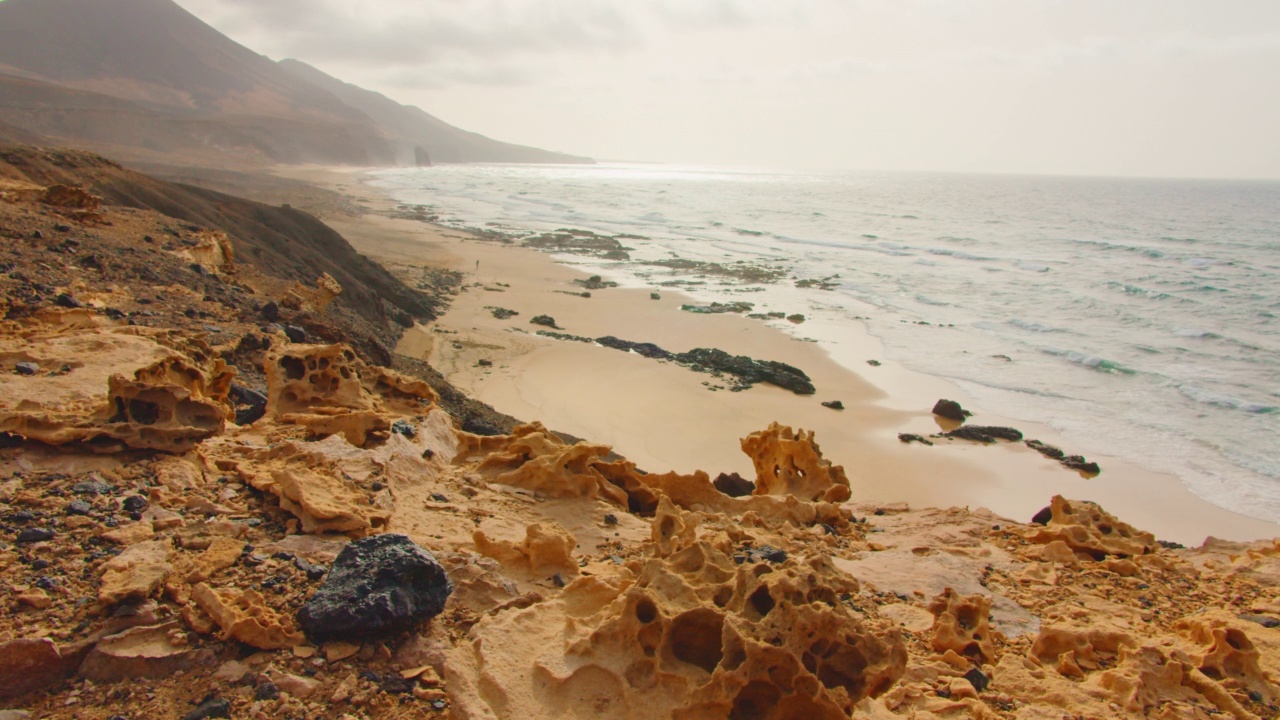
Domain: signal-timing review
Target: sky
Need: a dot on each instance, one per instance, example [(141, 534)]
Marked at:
[(1161, 88)]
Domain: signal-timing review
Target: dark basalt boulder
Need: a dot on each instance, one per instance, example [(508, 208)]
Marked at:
[(747, 370), (912, 437), (985, 433), (648, 350), (733, 485), (950, 409), (833, 404), (251, 405), (1048, 451), (378, 585), (545, 321), (1077, 462)]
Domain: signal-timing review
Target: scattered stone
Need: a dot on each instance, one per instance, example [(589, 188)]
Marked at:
[(1043, 517), (378, 585), (796, 318), (833, 404), (655, 296), (66, 301), (295, 334), (502, 313), (610, 519), (1077, 462), (986, 434), (545, 321), (1263, 620), (251, 405), (212, 708), (1048, 451), (716, 308), (266, 690), (405, 428), (26, 368), (296, 686), (437, 497), (951, 410), (873, 363), (484, 363), (134, 503), (140, 652), (595, 282), (35, 535), (95, 487), (977, 679), (733, 485), (912, 437), (78, 507), (271, 311), (28, 665)]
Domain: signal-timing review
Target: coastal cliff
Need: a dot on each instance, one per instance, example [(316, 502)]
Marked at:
[(222, 496)]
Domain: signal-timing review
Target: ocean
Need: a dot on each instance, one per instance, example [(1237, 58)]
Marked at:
[(1136, 316)]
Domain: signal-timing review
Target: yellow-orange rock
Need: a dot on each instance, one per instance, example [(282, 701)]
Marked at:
[(157, 651), (142, 388), (1227, 655), (692, 635), (69, 197), (246, 617), (788, 462), (315, 299), (210, 249), (547, 549), (221, 554), (1091, 532), (137, 572), (329, 390), (962, 625), (535, 459)]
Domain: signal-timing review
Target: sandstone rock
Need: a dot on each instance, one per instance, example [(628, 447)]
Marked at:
[(329, 390), (246, 617), (535, 459), (157, 651), (378, 585), (211, 250), (790, 463), (144, 388), (222, 553), (131, 534), (962, 626), (297, 686), (694, 635), (1091, 532), (136, 573), (69, 197), (546, 549), (29, 665), (300, 297)]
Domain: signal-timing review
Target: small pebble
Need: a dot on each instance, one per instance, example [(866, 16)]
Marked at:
[(26, 368), (34, 535), (79, 507), (134, 503), (610, 519)]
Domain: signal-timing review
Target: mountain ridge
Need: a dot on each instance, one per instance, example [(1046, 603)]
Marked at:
[(141, 77)]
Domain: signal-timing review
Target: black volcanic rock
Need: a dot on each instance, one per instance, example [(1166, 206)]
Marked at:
[(747, 370), (733, 485), (378, 585), (950, 409), (985, 433), (833, 404), (648, 350), (545, 321)]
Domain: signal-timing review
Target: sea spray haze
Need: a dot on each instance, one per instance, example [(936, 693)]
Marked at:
[(1139, 317)]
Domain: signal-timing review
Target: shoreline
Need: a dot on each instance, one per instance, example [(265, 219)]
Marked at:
[(663, 417)]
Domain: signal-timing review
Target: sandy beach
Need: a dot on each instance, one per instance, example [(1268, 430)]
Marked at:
[(663, 416)]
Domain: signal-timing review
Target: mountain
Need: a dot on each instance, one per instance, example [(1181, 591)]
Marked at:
[(413, 127), (147, 79)]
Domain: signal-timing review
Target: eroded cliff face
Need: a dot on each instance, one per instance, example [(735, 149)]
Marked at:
[(156, 556)]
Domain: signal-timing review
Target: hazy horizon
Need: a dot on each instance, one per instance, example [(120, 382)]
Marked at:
[(1144, 89)]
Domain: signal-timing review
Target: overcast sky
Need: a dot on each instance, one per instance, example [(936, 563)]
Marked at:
[(1099, 87)]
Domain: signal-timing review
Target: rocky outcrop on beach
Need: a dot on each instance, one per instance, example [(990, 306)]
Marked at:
[(356, 551)]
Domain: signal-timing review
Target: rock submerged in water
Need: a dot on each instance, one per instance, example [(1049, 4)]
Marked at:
[(985, 433), (951, 410), (378, 585)]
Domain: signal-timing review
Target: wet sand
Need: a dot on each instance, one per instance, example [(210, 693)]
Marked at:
[(667, 417)]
